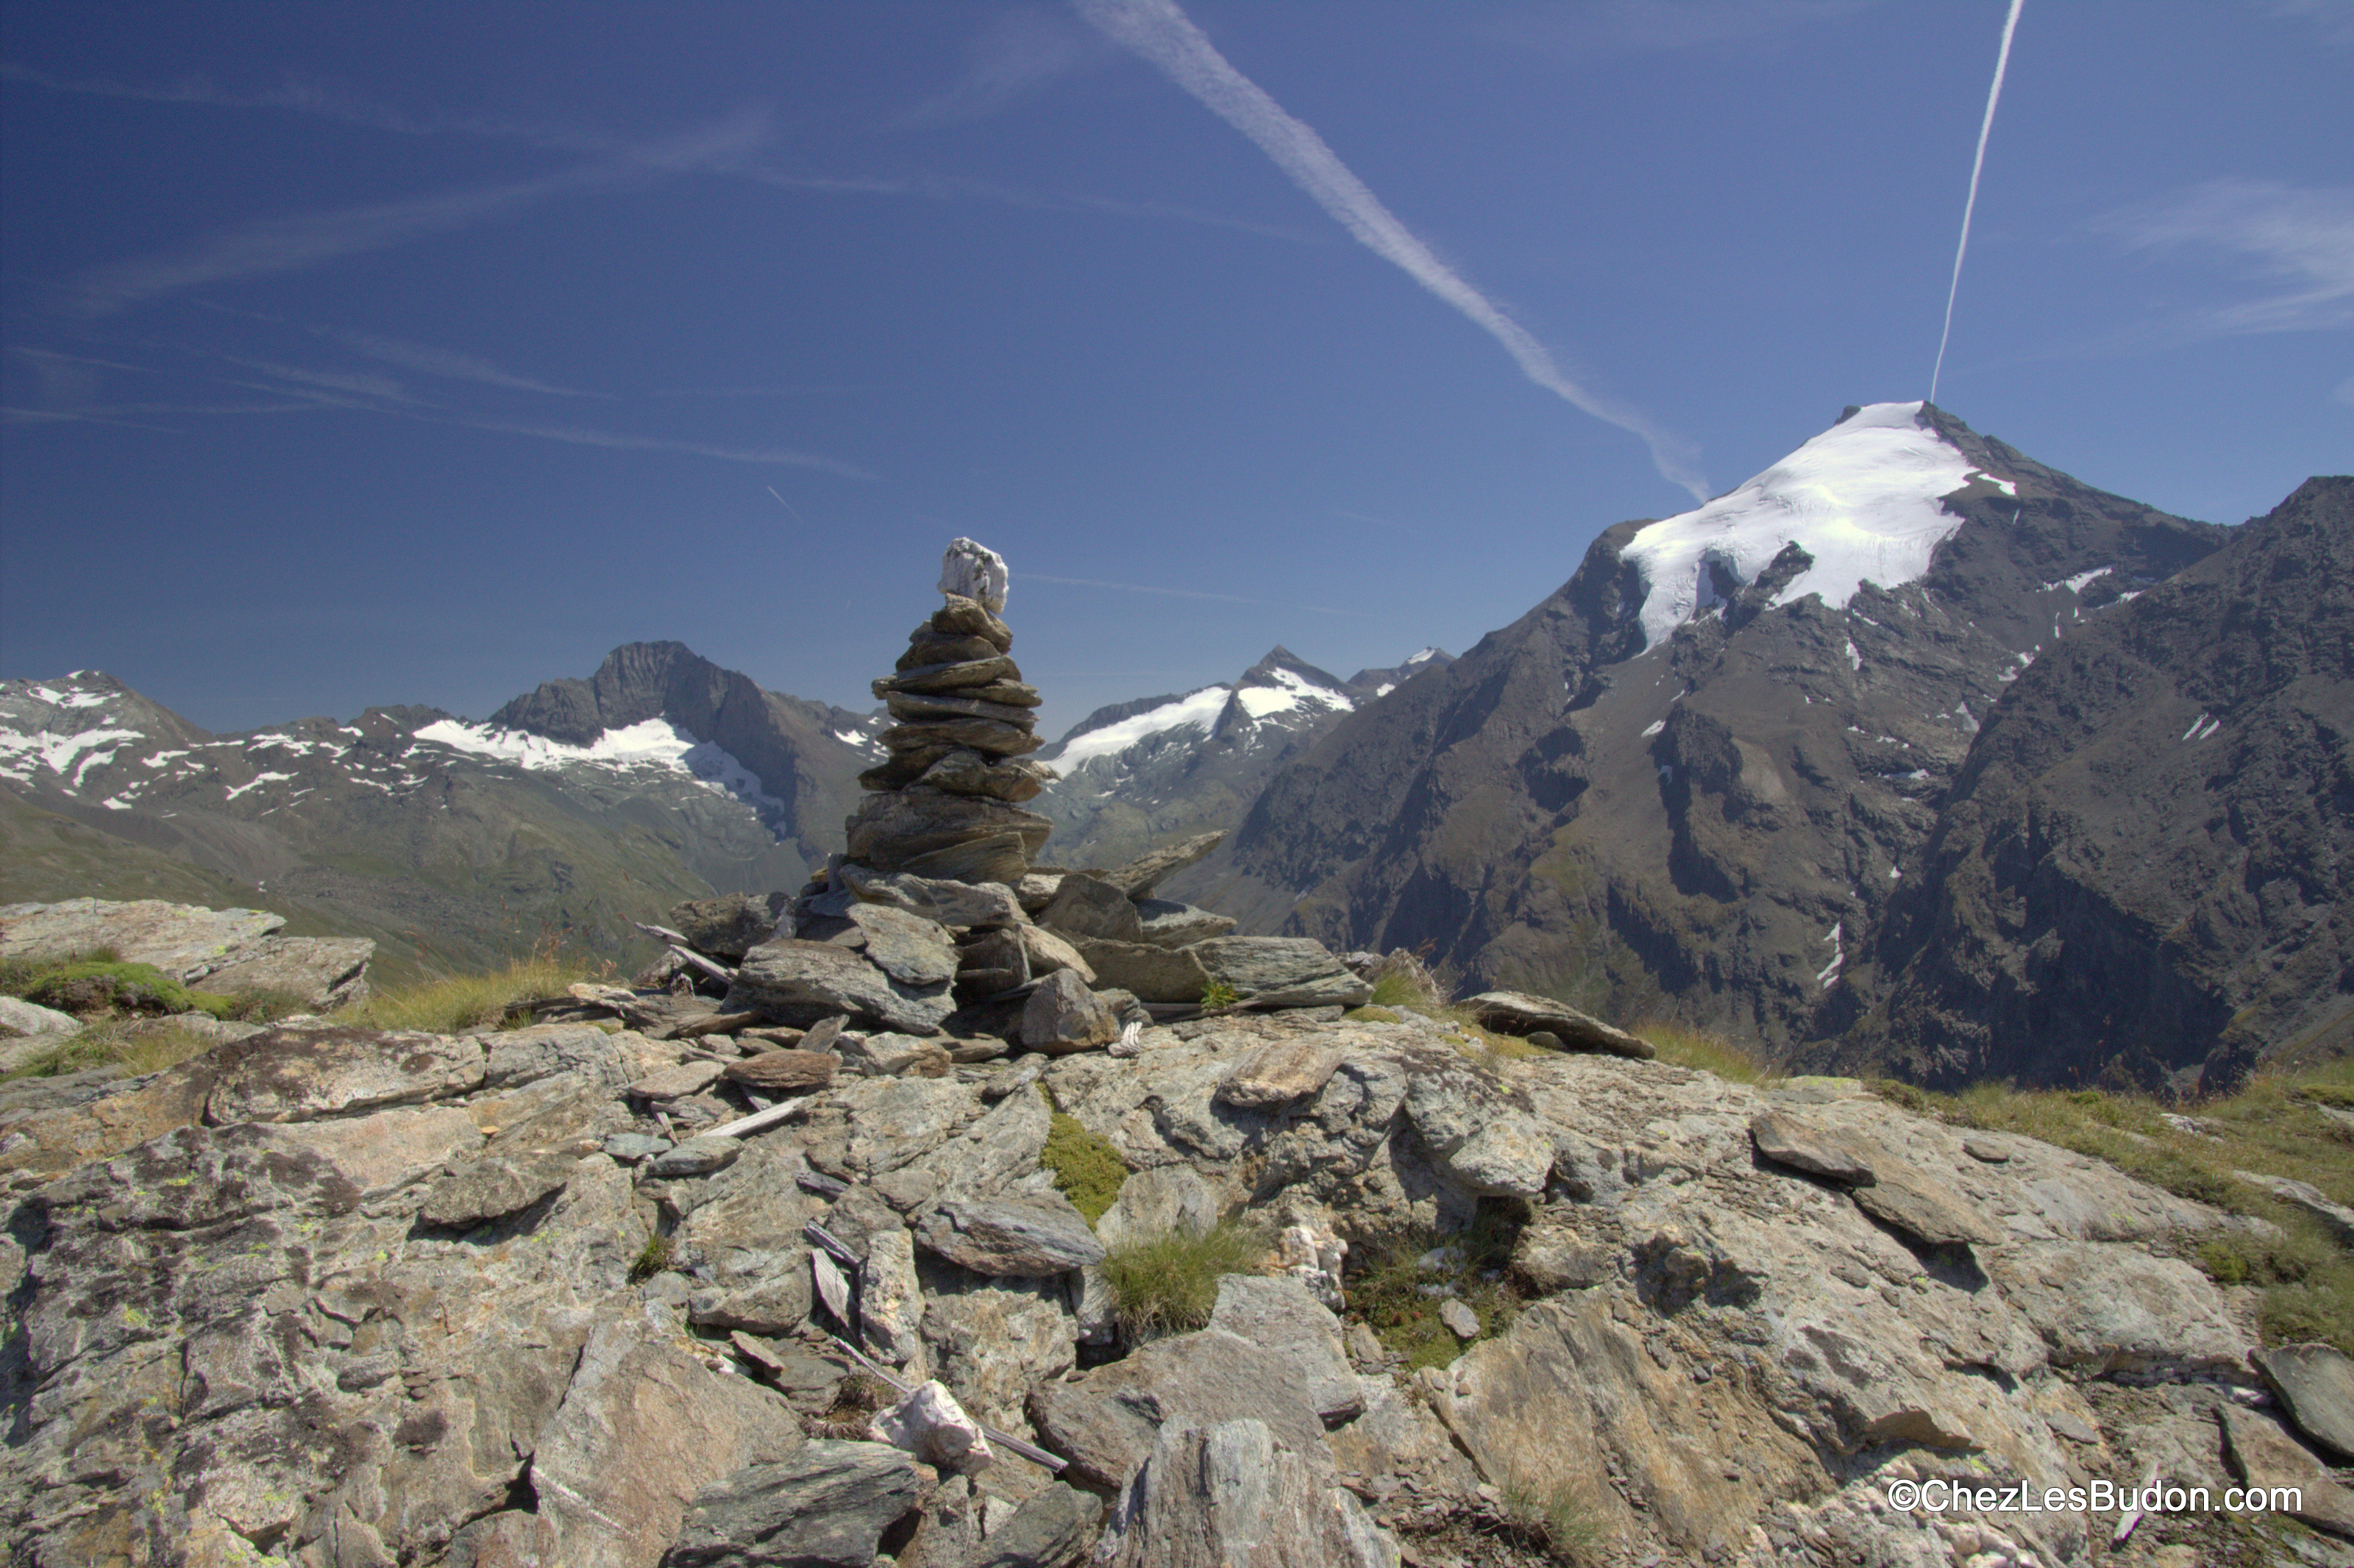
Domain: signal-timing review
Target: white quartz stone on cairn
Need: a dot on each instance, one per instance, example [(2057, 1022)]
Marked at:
[(976, 572)]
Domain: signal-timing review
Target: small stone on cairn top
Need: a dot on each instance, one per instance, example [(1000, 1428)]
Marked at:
[(943, 804)]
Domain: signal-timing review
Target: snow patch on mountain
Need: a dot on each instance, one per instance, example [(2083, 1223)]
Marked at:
[(1863, 498), (1199, 709), (651, 743), (1285, 690)]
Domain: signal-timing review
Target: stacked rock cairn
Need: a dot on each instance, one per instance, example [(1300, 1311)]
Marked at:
[(943, 806)]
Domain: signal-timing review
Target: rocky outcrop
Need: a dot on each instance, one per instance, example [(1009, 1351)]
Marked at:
[(429, 1299)]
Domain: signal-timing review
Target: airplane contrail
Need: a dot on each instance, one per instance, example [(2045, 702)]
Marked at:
[(786, 505), (1165, 36), (1994, 95)]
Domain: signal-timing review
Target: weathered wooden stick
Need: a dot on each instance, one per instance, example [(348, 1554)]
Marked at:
[(832, 1243), (744, 1127)]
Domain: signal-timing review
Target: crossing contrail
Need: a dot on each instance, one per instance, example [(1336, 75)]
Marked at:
[(1994, 95), (1161, 32)]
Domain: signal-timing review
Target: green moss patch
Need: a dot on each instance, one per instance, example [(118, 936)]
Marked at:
[(100, 986), (1087, 1169)]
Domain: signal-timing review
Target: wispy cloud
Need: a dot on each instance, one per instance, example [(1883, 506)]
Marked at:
[(1014, 54), (2345, 392), (448, 364), (1161, 33), (2298, 241), (382, 388), (291, 244), (1620, 26), (620, 441), (324, 100)]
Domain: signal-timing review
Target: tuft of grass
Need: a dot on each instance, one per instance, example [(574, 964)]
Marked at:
[(145, 1048), (1218, 994), (1168, 1284), (454, 1003), (1371, 1014), (1708, 1053), (1556, 1516), (1398, 1298), (1087, 1167), (2271, 1125), (653, 1258), (1399, 987)]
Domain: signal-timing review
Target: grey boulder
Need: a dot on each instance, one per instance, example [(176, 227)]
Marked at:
[(1091, 909), (1280, 971), (1063, 1015), (825, 1506), (2316, 1384), (909, 948), (1233, 1496), (803, 981), (491, 1189), (1010, 1238)]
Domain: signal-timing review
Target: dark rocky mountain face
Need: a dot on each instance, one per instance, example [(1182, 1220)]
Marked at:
[(579, 808), (1688, 784), (2144, 872), (1139, 774)]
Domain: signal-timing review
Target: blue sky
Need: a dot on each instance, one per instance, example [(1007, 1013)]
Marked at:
[(421, 353)]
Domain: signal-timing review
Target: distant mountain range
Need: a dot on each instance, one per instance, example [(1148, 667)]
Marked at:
[(1138, 774), (1911, 755), (576, 808)]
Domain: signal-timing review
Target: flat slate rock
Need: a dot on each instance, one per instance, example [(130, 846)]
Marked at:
[(1168, 924), (1105, 1421), (181, 939), (1911, 1203), (1087, 908), (695, 1157), (785, 1072), (1138, 878), (1278, 1073), (828, 1503), (323, 972), (963, 904), (483, 1190), (1280, 971), (2316, 1384), (1235, 1496), (1151, 974), (1010, 1238), (910, 948), (729, 927), (1518, 1012), (1789, 1140), (2263, 1454), (790, 977), (1281, 1313)]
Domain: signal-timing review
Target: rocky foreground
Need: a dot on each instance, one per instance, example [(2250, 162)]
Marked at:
[(333, 1296)]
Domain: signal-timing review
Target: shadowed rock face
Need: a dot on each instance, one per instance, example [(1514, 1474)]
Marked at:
[(2140, 876), (1711, 827)]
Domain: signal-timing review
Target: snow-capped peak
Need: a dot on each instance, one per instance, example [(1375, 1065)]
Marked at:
[(1422, 658), (1863, 498)]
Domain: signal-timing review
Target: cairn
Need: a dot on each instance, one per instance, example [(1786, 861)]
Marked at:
[(943, 806)]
